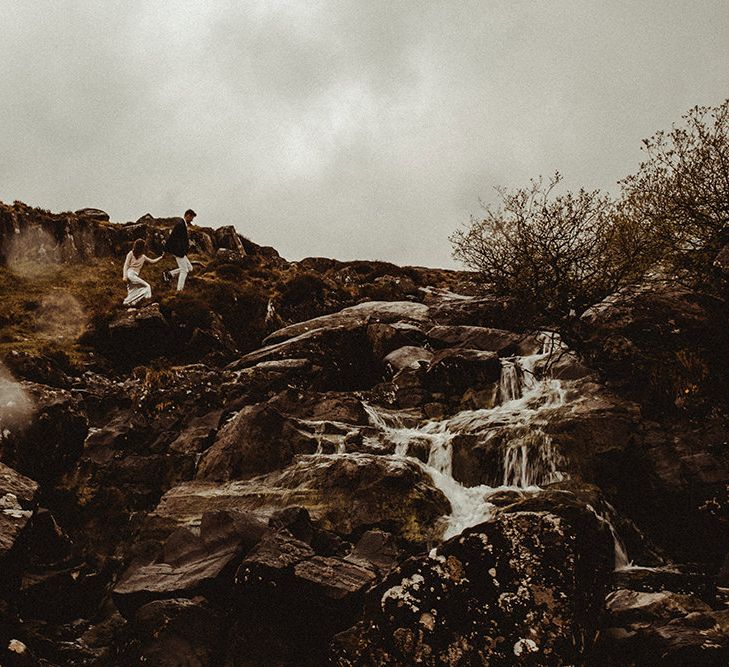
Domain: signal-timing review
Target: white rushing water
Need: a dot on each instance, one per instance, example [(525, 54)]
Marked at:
[(529, 459), (509, 434)]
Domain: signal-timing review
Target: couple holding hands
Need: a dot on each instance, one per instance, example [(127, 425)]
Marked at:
[(177, 244)]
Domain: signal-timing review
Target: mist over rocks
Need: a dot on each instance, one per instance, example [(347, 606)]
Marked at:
[(15, 405), (349, 463)]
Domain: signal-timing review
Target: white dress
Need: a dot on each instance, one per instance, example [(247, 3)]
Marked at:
[(137, 289)]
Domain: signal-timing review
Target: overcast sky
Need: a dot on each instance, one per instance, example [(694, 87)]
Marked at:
[(352, 129)]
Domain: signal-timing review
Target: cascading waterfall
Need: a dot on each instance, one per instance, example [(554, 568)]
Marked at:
[(530, 458), (509, 386), (622, 561)]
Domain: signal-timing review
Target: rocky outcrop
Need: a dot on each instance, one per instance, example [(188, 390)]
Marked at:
[(663, 628), (257, 440), (17, 503), (36, 235), (522, 588)]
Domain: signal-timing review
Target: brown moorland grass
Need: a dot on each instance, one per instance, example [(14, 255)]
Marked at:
[(51, 306)]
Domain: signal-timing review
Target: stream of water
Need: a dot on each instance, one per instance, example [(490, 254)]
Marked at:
[(529, 459)]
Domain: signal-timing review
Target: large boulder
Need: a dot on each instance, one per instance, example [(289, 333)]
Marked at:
[(17, 503), (410, 357), (93, 213), (346, 494), (139, 335), (265, 378), (504, 343), (663, 345), (189, 564), (227, 238), (259, 439), (522, 588), (385, 338), (370, 312), (341, 354)]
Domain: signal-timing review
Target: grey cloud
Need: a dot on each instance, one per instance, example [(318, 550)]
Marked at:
[(342, 128)]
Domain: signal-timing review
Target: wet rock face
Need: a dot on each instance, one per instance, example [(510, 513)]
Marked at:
[(17, 502), (346, 495), (257, 440), (663, 345), (522, 588), (53, 441), (662, 628)]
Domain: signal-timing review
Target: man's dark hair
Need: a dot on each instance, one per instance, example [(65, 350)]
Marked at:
[(190, 212)]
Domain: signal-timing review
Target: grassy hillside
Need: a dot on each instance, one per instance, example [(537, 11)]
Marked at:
[(62, 310)]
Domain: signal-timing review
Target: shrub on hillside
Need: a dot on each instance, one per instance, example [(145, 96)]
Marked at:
[(188, 310), (300, 288), (230, 271), (554, 254), (681, 189), (243, 310)]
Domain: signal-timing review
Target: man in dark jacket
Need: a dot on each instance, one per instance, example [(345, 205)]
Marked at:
[(178, 244)]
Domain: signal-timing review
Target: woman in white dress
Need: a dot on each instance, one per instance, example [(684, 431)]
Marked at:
[(137, 289)]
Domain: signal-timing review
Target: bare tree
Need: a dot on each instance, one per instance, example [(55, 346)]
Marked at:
[(556, 254), (681, 189)]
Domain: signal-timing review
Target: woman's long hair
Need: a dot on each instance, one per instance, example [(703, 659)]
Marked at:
[(138, 248)]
